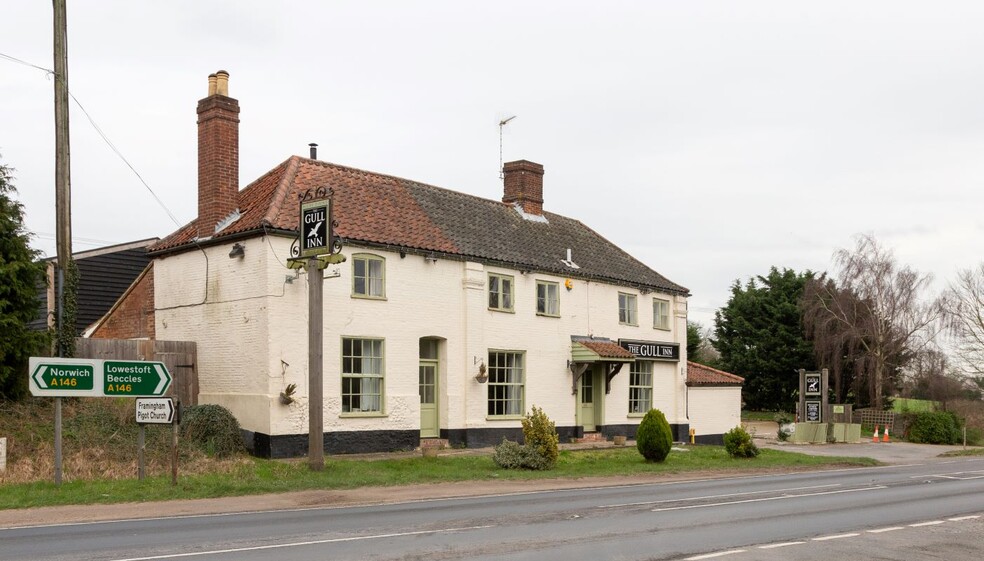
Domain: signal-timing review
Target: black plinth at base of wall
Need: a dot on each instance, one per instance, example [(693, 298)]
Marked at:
[(365, 442)]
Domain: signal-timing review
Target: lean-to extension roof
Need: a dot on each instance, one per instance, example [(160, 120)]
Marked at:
[(372, 209), (700, 375)]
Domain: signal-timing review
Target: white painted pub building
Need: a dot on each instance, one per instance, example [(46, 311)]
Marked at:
[(451, 317)]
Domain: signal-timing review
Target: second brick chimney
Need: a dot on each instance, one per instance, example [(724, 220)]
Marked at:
[(218, 155), (523, 184)]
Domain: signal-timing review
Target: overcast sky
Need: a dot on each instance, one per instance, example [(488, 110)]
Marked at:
[(711, 140)]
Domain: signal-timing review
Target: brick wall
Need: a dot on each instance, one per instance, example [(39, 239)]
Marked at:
[(523, 183), (133, 318)]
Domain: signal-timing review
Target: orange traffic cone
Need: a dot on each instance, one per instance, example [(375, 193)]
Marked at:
[(885, 434), (875, 437)]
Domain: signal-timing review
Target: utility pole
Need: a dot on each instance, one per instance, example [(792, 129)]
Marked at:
[(63, 190)]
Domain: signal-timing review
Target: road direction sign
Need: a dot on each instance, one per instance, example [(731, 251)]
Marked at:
[(135, 378), (63, 377), (155, 410), (80, 377)]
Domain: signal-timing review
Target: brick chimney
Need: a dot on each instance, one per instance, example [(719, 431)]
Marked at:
[(523, 184), (218, 154)]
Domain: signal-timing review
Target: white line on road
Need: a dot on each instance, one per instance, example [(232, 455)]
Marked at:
[(299, 544), (775, 545), (721, 496), (836, 537), (875, 488), (962, 518), (889, 529), (713, 555), (930, 523)]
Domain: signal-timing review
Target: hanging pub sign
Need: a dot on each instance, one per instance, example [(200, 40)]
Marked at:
[(316, 228), (651, 350)]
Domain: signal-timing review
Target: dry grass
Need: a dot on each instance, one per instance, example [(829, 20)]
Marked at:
[(99, 441)]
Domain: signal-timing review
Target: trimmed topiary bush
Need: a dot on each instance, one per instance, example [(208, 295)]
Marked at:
[(653, 437), (738, 443), (213, 428), (935, 427)]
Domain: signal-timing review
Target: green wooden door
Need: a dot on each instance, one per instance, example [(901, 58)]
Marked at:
[(586, 401), (429, 426)]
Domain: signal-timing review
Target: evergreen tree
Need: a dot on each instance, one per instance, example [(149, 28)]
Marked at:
[(20, 274), (760, 336)]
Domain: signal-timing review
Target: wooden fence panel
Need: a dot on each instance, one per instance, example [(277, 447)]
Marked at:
[(179, 357)]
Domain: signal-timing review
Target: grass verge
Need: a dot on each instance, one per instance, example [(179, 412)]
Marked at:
[(250, 476)]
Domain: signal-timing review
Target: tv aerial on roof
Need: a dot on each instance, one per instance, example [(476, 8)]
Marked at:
[(502, 123)]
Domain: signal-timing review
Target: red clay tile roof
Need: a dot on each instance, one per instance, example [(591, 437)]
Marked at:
[(378, 209), (700, 375), (607, 349)]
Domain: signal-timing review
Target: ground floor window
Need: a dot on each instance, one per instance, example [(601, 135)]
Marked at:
[(506, 380), (362, 375), (641, 386)]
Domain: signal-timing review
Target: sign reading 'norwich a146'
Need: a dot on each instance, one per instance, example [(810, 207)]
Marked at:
[(82, 377)]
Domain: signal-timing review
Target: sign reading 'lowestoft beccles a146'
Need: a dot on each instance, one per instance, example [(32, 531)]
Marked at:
[(83, 377)]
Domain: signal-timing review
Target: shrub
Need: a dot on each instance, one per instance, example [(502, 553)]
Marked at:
[(540, 450), (540, 435), (653, 437), (937, 427), (213, 428), (739, 443), (783, 419)]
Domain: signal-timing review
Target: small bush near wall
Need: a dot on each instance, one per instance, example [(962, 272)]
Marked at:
[(213, 428), (739, 443), (540, 450), (653, 437), (937, 427)]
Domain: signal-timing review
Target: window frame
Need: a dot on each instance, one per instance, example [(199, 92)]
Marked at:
[(546, 299), (631, 315), (381, 376), (517, 410), (640, 392), (657, 316), (510, 295), (369, 258)]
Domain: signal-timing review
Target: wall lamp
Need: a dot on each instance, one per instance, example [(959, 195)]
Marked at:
[(431, 258), (238, 250)]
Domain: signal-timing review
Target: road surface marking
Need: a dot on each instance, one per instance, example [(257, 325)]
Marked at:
[(875, 488), (962, 518), (300, 544), (775, 545), (930, 523), (721, 496), (889, 529), (713, 555), (835, 537)]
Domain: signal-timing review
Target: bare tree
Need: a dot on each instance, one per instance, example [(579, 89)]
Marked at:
[(874, 317), (965, 319)]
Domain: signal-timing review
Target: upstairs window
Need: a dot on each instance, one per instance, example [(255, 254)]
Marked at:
[(547, 298), (661, 313), (368, 276), (627, 310), (500, 292)]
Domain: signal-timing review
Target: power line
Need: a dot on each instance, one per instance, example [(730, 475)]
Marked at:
[(105, 138)]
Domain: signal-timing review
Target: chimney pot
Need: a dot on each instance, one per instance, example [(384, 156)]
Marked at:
[(222, 83), (314, 150), (211, 85)]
